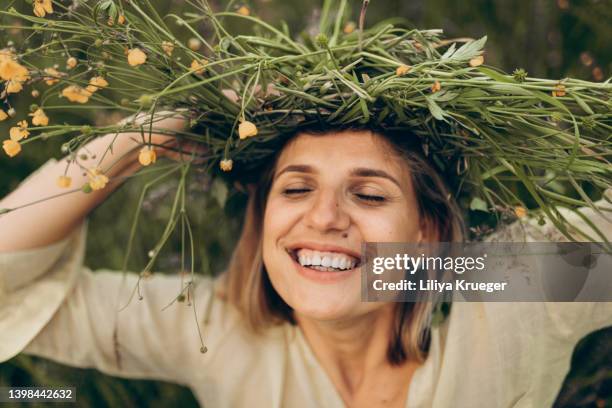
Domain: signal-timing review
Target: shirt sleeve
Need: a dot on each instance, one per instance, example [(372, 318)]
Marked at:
[(568, 322), (54, 307), (145, 339)]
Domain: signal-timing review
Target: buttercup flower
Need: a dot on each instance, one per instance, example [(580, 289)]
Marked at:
[(559, 90), (64, 181), (147, 156), (13, 86), (39, 118), (96, 83), (349, 27), (12, 70), (11, 147), (194, 44), (198, 66), (97, 179), (168, 47), (71, 63), (42, 8), (20, 131), (477, 61), (53, 77), (75, 93), (136, 57), (247, 129), (520, 211), (244, 10), (226, 164), (3, 115), (436, 86), (402, 70)]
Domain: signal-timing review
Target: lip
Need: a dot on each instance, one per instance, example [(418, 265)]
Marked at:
[(321, 276)]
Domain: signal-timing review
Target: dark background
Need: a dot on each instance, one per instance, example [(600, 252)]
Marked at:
[(548, 38)]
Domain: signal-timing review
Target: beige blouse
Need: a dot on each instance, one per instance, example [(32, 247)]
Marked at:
[(484, 355)]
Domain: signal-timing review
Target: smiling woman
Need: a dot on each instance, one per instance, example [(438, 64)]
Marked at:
[(285, 325), (440, 136)]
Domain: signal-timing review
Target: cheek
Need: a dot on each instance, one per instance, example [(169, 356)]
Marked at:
[(392, 225)]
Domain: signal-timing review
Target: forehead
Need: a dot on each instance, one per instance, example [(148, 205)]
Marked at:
[(339, 150)]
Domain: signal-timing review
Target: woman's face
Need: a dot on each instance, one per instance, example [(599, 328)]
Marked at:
[(330, 194)]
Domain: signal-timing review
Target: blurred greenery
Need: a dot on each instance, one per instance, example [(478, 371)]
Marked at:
[(548, 38)]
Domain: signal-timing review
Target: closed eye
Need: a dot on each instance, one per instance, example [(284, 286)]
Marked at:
[(295, 191), (373, 198)]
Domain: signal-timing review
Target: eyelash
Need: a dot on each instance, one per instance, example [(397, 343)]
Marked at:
[(366, 197)]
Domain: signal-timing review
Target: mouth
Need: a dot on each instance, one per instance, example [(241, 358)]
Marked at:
[(324, 261)]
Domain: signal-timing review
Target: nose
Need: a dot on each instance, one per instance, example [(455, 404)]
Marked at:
[(327, 213)]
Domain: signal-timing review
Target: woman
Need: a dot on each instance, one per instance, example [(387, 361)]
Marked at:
[(281, 330)]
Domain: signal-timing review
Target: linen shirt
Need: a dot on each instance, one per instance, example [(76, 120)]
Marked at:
[(483, 355)]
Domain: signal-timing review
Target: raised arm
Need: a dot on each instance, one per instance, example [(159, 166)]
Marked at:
[(51, 220)]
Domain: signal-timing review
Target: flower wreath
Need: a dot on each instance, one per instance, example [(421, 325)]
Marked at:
[(506, 142)]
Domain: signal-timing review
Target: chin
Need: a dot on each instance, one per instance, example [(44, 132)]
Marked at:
[(318, 295)]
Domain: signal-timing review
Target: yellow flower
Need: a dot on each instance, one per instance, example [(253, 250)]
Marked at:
[(20, 131), (53, 77), (198, 66), (436, 86), (147, 156), (477, 61), (244, 10), (349, 27), (97, 179), (559, 90), (13, 86), (226, 164), (247, 129), (520, 211), (121, 19), (75, 93), (96, 83), (168, 47), (64, 181), (39, 118), (194, 44), (402, 70), (43, 7), (11, 147), (12, 70), (136, 57), (71, 63), (3, 115)]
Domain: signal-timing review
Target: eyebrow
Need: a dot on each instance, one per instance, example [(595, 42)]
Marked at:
[(356, 172)]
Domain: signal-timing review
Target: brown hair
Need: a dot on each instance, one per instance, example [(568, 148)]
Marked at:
[(248, 286)]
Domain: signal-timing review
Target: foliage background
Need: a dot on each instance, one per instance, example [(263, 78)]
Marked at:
[(548, 38)]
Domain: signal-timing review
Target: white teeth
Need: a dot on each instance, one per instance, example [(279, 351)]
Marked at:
[(325, 261)]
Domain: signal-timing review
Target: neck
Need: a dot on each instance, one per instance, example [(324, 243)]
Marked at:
[(350, 349)]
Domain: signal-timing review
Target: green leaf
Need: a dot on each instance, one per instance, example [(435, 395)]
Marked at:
[(435, 109), (583, 104), (478, 204)]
